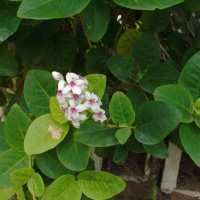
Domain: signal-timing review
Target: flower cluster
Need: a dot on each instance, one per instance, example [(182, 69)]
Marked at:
[(75, 101)]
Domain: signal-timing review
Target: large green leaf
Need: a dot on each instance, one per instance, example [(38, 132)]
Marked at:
[(189, 134), (36, 185), (11, 160), (61, 52), (20, 176), (8, 63), (121, 67), (155, 21), (18, 119), (191, 5), (179, 97), (63, 188), (39, 86), (136, 97), (135, 146), (147, 4), (40, 9), (189, 77), (96, 61), (147, 50), (94, 135), (159, 74), (100, 185), (8, 23), (157, 150), (96, 17), (155, 120), (96, 84), (72, 154), (3, 142), (49, 164), (121, 110), (32, 48), (127, 41), (39, 138)]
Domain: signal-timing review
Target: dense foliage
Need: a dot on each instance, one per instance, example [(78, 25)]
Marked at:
[(141, 58)]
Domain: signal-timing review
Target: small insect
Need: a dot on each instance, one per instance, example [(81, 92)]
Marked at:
[(55, 132)]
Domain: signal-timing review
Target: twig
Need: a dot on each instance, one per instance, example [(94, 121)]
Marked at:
[(162, 48), (186, 22)]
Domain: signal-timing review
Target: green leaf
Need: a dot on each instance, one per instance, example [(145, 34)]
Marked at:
[(197, 120), (56, 112), (3, 143), (20, 194), (191, 5), (94, 135), (179, 97), (127, 41), (120, 155), (159, 74), (3, 99), (39, 86), (7, 192), (49, 164), (156, 20), (191, 69), (40, 9), (20, 176), (9, 23), (96, 61), (72, 154), (18, 119), (157, 150), (155, 120), (8, 63), (96, 84), (135, 146), (121, 110), (121, 67), (146, 4), (61, 52), (36, 185), (11, 160), (100, 185), (146, 50), (174, 137), (189, 134), (136, 97), (197, 106), (63, 188), (123, 134), (96, 17), (32, 48), (39, 138)]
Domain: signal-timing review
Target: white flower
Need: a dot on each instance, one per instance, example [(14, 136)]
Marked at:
[(74, 83), (57, 76), (100, 116), (61, 95), (93, 101), (73, 111)]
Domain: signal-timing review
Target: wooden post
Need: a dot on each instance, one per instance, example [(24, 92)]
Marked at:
[(171, 169)]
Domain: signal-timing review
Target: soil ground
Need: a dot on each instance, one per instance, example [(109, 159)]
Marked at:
[(188, 179)]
